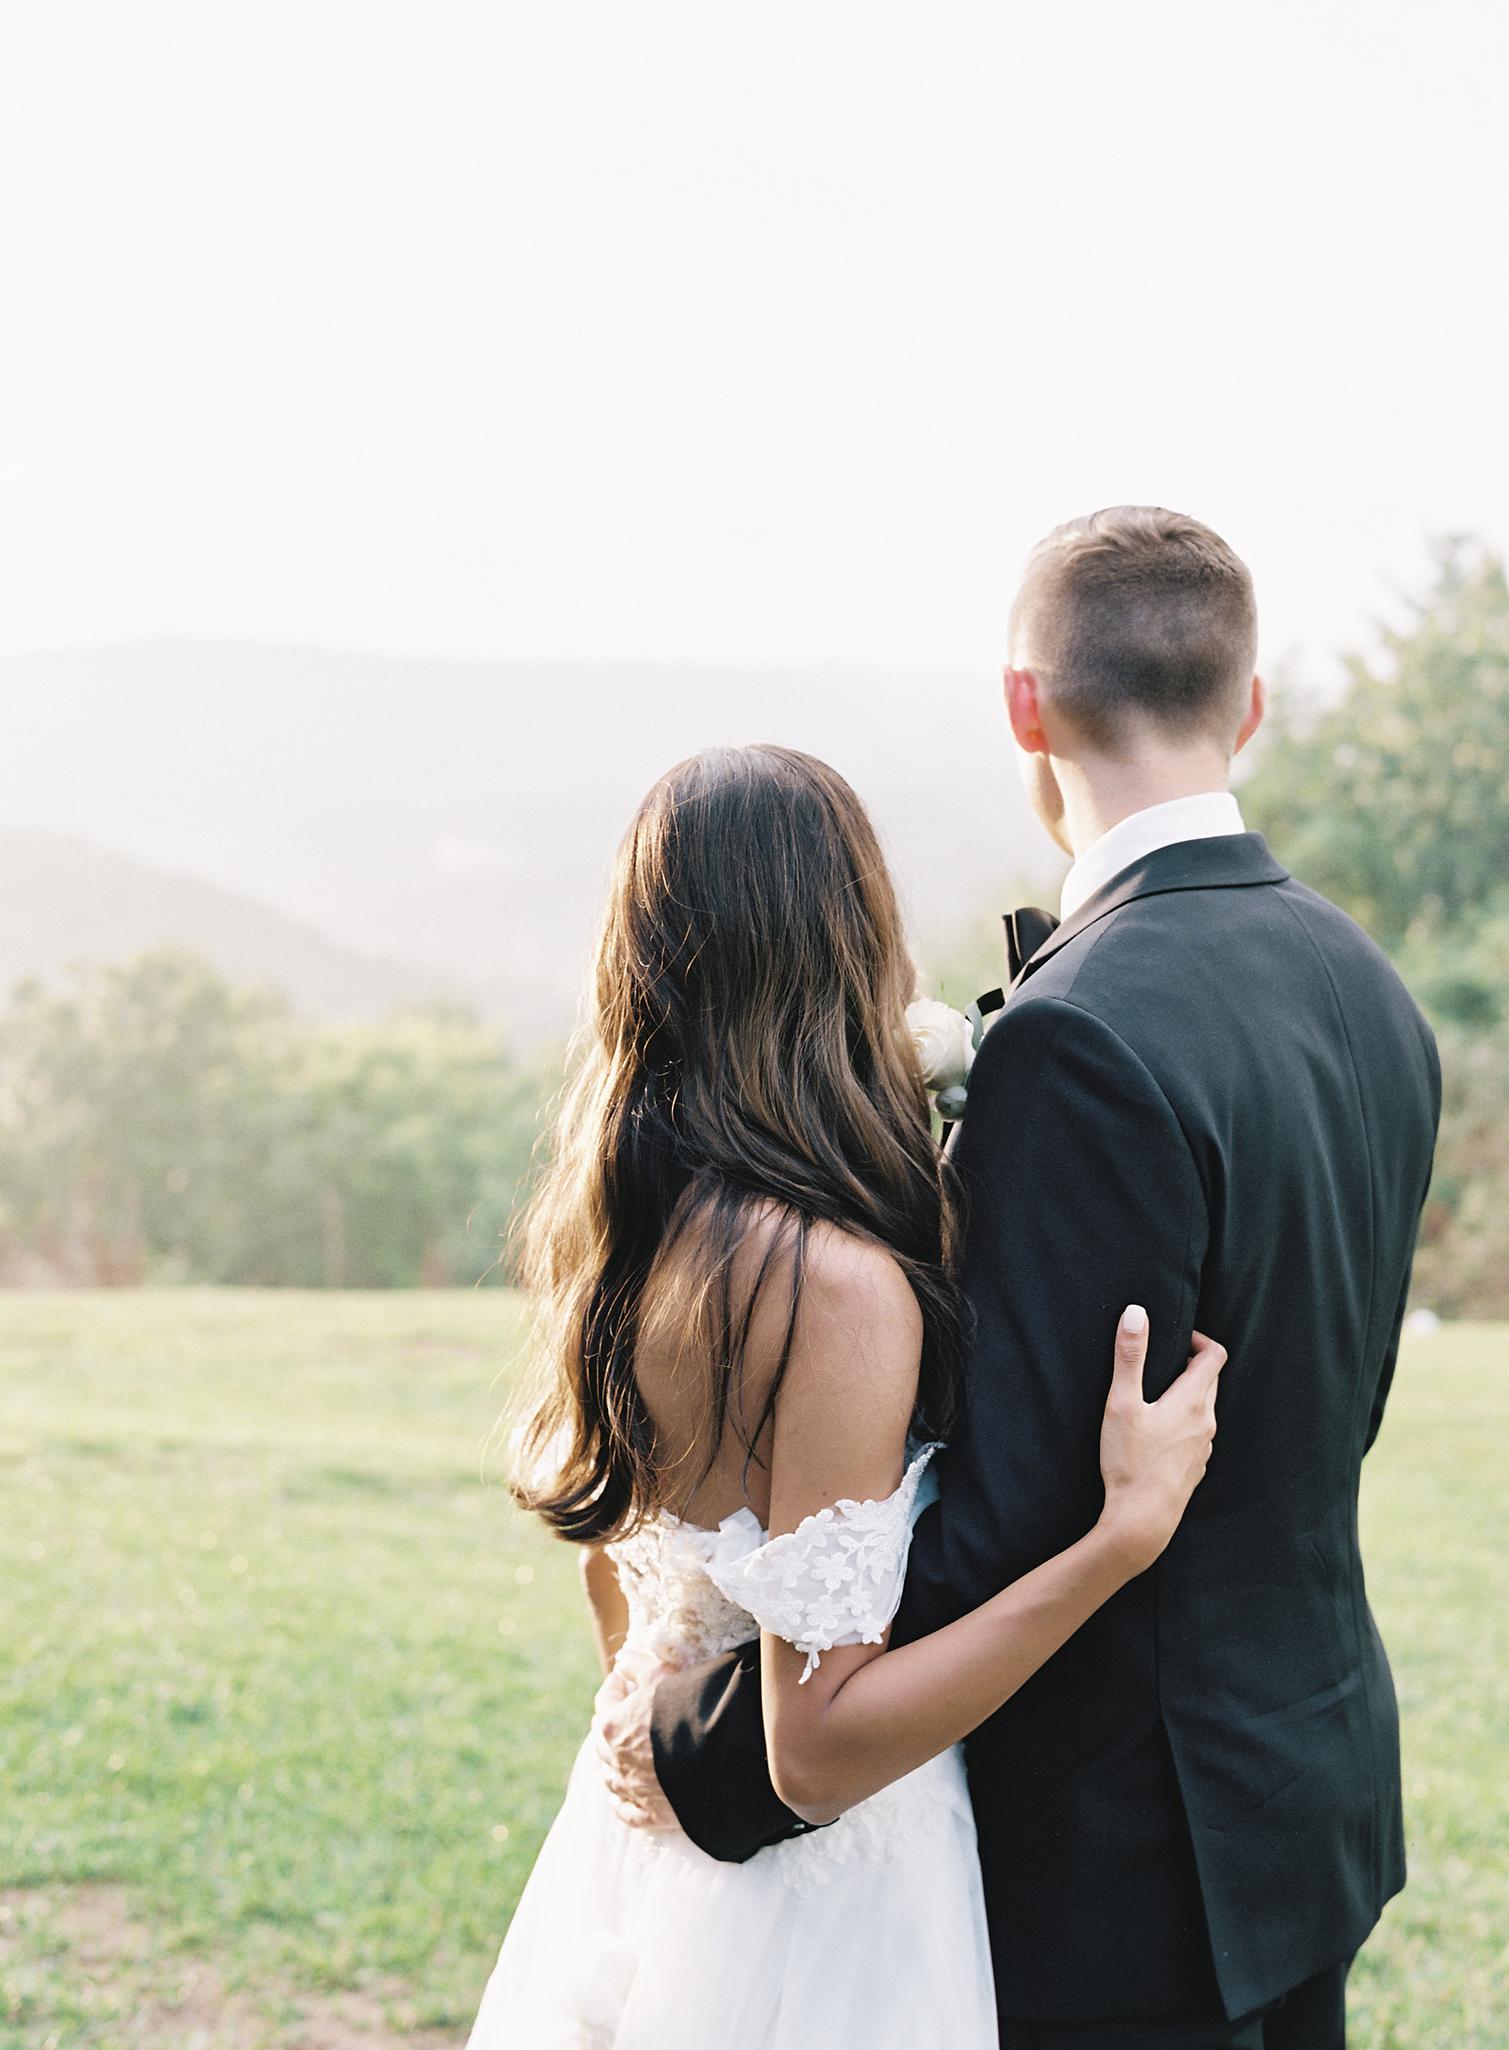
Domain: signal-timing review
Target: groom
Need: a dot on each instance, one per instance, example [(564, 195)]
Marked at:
[(1208, 1093)]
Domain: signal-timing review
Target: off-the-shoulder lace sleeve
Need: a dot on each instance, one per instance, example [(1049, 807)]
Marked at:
[(835, 1579)]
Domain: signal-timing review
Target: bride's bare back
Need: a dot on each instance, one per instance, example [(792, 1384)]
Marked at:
[(703, 1482)]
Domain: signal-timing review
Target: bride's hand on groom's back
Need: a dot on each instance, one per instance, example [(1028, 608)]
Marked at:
[(1153, 1455)]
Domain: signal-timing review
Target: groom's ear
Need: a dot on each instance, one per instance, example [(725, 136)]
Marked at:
[(1023, 711), (1253, 717)]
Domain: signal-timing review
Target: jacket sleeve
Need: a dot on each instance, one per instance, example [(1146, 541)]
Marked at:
[(1083, 1198), (708, 1735)]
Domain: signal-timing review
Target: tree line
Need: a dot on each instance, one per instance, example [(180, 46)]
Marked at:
[(1394, 801), (159, 1124)]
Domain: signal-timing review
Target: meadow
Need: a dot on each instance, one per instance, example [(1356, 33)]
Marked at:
[(288, 1692)]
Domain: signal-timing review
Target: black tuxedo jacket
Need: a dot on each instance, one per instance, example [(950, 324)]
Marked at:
[(1208, 1093)]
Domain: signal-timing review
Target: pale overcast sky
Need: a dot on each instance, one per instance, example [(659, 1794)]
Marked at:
[(678, 330)]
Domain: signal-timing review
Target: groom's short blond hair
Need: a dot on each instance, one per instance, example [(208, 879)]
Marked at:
[(1134, 616)]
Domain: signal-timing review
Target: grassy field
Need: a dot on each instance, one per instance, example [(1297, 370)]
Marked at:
[(287, 1693)]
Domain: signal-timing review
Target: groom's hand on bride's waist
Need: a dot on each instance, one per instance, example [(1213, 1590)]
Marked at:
[(621, 1738)]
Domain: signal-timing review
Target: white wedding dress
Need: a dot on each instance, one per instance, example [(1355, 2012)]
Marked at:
[(870, 1933)]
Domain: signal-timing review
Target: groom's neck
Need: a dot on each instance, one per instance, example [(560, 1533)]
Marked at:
[(1099, 792)]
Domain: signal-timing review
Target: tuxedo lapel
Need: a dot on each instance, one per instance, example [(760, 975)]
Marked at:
[(1232, 861)]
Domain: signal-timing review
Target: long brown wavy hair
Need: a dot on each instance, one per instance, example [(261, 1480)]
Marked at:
[(747, 1058)]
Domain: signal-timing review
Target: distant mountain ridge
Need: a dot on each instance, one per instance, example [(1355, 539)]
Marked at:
[(439, 822), (62, 900)]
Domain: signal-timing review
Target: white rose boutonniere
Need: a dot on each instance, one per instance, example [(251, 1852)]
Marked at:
[(946, 1041)]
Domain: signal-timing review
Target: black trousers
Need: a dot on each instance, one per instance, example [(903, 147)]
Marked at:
[(1312, 2017)]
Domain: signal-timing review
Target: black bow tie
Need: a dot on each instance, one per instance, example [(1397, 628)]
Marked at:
[(1026, 930)]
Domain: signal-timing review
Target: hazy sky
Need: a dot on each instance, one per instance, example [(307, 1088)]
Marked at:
[(682, 330)]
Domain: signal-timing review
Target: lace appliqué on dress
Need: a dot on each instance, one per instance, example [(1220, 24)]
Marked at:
[(836, 1579), (678, 1613), (883, 1830)]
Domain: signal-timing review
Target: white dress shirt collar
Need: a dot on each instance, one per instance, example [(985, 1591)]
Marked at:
[(1207, 816)]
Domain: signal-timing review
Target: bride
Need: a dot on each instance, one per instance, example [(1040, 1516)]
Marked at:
[(754, 1343)]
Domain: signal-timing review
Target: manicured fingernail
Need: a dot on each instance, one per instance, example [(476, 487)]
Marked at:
[(1134, 1320)]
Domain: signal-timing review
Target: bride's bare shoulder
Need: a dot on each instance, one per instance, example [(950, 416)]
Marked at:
[(857, 1326), (830, 1358), (845, 1279), (850, 1387), (858, 1283)]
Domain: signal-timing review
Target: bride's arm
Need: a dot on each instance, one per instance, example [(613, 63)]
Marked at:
[(605, 1603), (861, 1720)]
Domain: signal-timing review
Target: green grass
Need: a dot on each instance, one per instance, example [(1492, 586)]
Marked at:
[(287, 1692), (275, 1661), (1435, 1523)]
